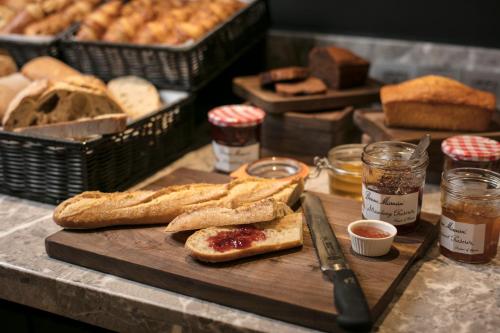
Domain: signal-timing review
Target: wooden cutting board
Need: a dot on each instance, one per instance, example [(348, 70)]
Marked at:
[(286, 285), (248, 88), (371, 122)]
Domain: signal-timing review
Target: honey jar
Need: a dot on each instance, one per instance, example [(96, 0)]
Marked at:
[(393, 183), (470, 221), (345, 172), (470, 151)]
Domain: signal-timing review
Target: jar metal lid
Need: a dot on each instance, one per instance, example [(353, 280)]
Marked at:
[(237, 115), (471, 148)]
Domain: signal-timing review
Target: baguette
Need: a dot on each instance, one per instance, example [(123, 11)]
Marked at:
[(96, 209), (280, 234), (255, 212)]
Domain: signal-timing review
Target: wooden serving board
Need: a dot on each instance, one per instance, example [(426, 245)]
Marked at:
[(286, 285), (371, 122), (248, 88), (307, 134)]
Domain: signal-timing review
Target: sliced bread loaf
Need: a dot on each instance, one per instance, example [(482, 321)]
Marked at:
[(137, 96), (218, 244)]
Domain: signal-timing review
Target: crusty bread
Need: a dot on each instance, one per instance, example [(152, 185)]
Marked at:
[(96, 209), (280, 234), (7, 65), (43, 102), (81, 128), (10, 86), (258, 211), (47, 68), (137, 96), (435, 102)]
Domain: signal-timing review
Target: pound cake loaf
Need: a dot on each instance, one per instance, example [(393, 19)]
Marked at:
[(435, 102), (339, 68)]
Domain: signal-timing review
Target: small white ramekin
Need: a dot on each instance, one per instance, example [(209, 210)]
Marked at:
[(372, 247)]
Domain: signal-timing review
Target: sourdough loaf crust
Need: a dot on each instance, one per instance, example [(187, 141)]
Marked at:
[(339, 68), (47, 68), (436, 102), (97, 209), (282, 233)]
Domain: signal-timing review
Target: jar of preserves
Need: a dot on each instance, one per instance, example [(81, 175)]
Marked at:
[(235, 135), (470, 220), (469, 151), (393, 183), (345, 171)]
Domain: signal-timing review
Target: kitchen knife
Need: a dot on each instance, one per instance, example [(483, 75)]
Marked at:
[(350, 301)]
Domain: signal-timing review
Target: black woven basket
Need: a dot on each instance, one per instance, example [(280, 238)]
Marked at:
[(183, 68), (24, 48), (50, 170)]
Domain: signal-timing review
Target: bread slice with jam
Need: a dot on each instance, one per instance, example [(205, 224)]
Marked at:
[(218, 244)]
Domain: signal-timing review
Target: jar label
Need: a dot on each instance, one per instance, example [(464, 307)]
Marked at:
[(395, 209), (462, 237), (230, 158)]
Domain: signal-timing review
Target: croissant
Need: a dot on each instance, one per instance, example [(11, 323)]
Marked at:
[(124, 28), (94, 25), (59, 21)]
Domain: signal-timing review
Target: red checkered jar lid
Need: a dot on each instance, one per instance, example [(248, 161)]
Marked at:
[(236, 115), (471, 148)]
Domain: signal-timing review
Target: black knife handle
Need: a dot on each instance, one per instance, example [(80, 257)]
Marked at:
[(350, 301)]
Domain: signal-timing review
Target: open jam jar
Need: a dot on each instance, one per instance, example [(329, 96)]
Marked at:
[(235, 135), (393, 183), (470, 151), (470, 221)]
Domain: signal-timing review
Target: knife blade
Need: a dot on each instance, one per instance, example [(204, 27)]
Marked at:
[(350, 300)]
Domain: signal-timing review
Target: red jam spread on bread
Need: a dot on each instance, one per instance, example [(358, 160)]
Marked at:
[(370, 232), (239, 238)]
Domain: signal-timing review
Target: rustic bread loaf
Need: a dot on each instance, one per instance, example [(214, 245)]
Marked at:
[(435, 102), (136, 96), (44, 103), (7, 65), (96, 209), (339, 68), (47, 68), (10, 86), (258, 211), (279, 234)]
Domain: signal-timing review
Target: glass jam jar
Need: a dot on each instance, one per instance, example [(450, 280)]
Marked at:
[(345, 170), (235, 135), (470, 220), (393, 183), (469, 151)]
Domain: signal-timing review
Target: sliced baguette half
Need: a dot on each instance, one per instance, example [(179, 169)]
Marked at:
[(259, 211), (282, 233)]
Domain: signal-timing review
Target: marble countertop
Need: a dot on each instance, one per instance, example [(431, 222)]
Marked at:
[(437, 294)]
